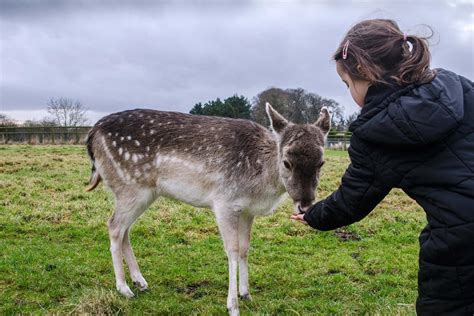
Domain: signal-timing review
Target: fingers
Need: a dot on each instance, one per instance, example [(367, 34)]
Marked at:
[(299, 218)]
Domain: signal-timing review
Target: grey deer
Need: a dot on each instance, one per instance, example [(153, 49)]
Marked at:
[(236, 167)]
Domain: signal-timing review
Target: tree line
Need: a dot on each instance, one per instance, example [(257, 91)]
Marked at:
[(298, 105)]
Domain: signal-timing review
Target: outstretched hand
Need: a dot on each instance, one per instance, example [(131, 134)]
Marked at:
[(299, 218)]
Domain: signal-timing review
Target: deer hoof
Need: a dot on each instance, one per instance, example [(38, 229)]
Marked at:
[(141, 284), (246, 297), (125, 291), (233, 306)]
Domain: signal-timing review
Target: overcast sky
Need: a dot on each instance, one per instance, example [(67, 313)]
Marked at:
[(170, 55)]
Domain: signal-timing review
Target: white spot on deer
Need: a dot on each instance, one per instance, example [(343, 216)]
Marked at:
[(180, 136), (140, 115), (120, 151), (137, 143), (186, 149), (116, 134), (213, 128), (152, 132), (208, 147), (259, 161), (122, 138), (110, 134), (137, 173), (241, 153), (134, 157), (127, 155), (219, 146), (159, 124), (168, 123), (143, 134), (200, 147), (112, 160), (182, 126), (216, 136), (219, 129), (147, 148), (129, 137), (140, 156), (142, 126), (239, 163), (114, 143), (152, 121), (161, 139)]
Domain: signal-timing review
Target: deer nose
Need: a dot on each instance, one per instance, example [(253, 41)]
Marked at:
[(302, 209)]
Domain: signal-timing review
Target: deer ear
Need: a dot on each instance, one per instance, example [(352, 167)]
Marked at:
[(277, 122), (324, 120)]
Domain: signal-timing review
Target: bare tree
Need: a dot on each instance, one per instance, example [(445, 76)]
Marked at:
[(67, 112), (298, 105), (6, 121)]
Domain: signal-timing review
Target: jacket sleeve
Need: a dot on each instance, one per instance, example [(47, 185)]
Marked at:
[(358, 194)]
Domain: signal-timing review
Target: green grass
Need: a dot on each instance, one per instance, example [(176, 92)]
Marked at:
[(54, 255)]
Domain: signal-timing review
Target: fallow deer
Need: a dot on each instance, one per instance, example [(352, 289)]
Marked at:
[(235, 167)]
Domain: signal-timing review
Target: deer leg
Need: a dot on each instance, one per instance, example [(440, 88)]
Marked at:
[(128, 208), (137, 277), (245, 227), (228, 222)]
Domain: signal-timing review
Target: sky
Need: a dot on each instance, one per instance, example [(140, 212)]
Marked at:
[(169, 55)]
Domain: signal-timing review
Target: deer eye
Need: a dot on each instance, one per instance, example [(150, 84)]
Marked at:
[(287, 164)]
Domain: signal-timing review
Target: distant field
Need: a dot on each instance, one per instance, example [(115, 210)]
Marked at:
[(55, 258)]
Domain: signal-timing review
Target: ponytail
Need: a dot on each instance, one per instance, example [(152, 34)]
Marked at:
[(415, 65)]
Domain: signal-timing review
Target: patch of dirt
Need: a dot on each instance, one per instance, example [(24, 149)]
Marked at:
[(191, 289), (346, 235)]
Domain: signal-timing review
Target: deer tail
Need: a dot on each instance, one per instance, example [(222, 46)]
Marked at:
[(95, 176)]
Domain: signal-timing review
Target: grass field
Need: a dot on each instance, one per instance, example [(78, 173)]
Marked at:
[(54, 255)]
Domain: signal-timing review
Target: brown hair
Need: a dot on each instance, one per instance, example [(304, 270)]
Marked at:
[(378, 51)]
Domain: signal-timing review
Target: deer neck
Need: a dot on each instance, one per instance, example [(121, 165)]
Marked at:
[(270, 156)]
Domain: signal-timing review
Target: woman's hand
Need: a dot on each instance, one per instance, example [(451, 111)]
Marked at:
[(299, 218)]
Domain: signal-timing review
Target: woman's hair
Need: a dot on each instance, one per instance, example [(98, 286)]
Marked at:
[(377, 51)]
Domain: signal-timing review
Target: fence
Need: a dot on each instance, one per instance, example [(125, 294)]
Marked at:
[(77, 135), (44, 135), (338, 140)]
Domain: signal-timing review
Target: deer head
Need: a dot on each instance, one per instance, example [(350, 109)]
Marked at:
[(300, 155)]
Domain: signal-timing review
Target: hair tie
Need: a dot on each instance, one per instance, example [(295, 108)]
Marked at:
[(344, 50)]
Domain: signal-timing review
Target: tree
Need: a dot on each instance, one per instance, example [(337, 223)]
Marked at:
[(351, 118), (6, 121), (234, 106), (44, 122), (298, 105), (67, 112)]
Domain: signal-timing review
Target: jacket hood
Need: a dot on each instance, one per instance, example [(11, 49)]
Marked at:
[(415, 114)]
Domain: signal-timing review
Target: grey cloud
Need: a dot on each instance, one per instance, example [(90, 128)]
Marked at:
[(170, 55)]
